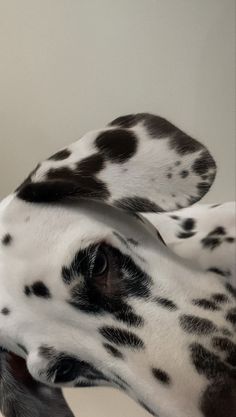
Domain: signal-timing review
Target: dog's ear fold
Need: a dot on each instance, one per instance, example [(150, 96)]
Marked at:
[(140, 162)]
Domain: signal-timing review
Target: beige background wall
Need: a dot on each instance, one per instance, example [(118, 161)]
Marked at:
[(67, 66)]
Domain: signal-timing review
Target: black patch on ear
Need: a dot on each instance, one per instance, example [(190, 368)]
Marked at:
[(61, 155), (130, 120), (205, 304), (166, 303), (161, 376), (196, 325), (219, 399), (121, 337), (202, 164), (137, 204), (62, 190), (207, 363), (66, 184), (117, 145), (91, 165), (7, 239), (183, 144), (113, 351), (5, 311)]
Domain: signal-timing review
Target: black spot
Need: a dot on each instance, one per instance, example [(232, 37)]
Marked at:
[(39, 289), (161, 376), (219, 399), (207, 363), (174, 217), (224, 344), (113, 351), (121, 337), (197, 325), (219, 271), (91, 165), (169, 175), (203, 187), (7, 239), (27, 290), (215, 205), (127, 316), (117, 145), (5, 311), (137, 204), (67, 275), (206, 304), (231, 290), (230, 239), (203, 163), (188, 224), (211, 242), (184, 173), (218, 231), (220, 298), (185, 235), (164, 302), (61, 155), (231, 316)]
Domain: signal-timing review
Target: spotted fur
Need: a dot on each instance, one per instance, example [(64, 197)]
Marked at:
[(93, 293)]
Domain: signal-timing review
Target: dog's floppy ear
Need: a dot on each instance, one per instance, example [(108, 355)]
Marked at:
[(139, 162)]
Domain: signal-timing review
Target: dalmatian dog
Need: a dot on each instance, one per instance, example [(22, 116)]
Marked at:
[(93, 293)]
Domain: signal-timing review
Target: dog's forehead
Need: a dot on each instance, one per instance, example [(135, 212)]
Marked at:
[(42, 229)]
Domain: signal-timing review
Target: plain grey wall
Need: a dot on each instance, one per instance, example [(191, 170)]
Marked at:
[(68, 66)]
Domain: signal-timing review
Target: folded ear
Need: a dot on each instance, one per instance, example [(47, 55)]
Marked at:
[(139, 162)]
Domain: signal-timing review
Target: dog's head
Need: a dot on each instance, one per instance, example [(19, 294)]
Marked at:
[(76, 259)]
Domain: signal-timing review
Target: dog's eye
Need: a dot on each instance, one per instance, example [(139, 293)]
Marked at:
[(100, 264)]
